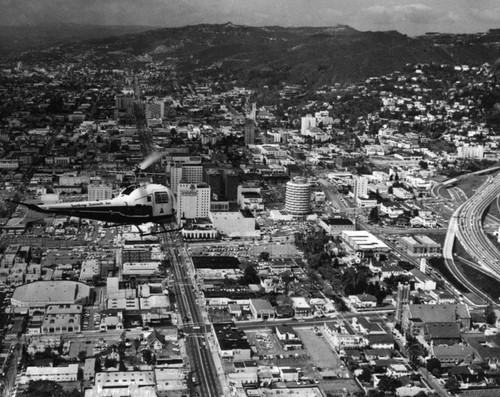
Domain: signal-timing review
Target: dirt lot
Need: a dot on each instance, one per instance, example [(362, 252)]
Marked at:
[(341, 386)]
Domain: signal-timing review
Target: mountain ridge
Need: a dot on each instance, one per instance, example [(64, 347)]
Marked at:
[(271, 55)]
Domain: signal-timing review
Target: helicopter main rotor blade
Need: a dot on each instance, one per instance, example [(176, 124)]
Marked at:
[(148, 161)]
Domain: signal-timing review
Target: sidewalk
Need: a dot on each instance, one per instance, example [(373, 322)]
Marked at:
[(218, 363), (432, 382)]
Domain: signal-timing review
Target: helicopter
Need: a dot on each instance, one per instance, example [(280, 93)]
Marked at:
[(136, 204)]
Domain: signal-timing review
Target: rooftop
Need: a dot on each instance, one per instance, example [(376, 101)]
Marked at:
[(51, 292)]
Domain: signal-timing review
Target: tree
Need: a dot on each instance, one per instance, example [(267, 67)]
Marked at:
[(39, 388), (452, 385), (388, 384), (423, 164), (432, 364), (147, 356), (264, 256), (110, 362), (490, 315), (114, 146), (415, 351), (373, 216), (250, 276), (82, 355), (137, 345), (365, 376)]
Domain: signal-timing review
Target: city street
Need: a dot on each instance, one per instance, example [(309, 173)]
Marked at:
[(204, 378)]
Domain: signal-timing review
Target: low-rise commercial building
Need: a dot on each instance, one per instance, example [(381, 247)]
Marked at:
[(261, 309), (232, 343), (420, 245), (364, 243), (55, 374), (335, 226), (40, 294)]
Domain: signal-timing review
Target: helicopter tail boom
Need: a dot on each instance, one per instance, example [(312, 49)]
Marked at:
[(32, 207)]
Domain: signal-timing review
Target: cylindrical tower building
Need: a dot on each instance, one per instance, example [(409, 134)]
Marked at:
[(298, 197)]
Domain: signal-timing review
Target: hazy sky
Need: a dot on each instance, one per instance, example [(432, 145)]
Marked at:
[(410, 17)]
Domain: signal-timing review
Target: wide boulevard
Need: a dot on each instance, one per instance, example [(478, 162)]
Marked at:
[(204, 379)]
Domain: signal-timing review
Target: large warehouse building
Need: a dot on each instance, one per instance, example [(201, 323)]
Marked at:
[(42, 293)]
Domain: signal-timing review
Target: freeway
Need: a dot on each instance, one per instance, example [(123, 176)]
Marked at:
[(457, 195), (466, 226), (205, 379), (470, 231), (435, 190)]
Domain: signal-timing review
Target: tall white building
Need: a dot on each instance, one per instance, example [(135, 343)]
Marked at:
[(193, 201), (360, 188), (185, 173), (307, 122), (100, 192), (298, 197), (470, 152)]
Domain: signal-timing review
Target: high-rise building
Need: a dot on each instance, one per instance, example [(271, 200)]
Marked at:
[(402, 299), (193, 201), (99, 192), (250, 197), (307, 122), (155, 110), (179, 157), (360, 187), (213, 177), (186, 173), (298, 197), (231, 180), (124, 105), (249, 132)]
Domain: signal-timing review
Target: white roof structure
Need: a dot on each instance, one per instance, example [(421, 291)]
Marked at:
[(42, 293), (363, 241)]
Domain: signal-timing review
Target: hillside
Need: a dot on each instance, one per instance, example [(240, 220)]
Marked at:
[(16, 39), (272, 55)]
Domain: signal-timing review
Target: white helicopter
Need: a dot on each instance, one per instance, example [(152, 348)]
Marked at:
[(135, 205)]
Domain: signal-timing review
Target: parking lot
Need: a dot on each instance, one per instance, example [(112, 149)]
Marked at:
[(91, 319), (269, 347), (90, 347), (322, 354), (275, 249)]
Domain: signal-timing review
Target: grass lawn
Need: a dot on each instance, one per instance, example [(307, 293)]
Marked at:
[(470, 184), (488, 284), (443, 270)]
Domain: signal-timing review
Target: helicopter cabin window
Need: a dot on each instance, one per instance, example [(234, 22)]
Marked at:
[(161, 197), (128, 190)]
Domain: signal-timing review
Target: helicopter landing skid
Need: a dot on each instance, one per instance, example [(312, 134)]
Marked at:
[(165, 230), (143, 233)]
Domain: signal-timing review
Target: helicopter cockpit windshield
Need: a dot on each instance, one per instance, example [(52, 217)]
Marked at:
[(128, 190)]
